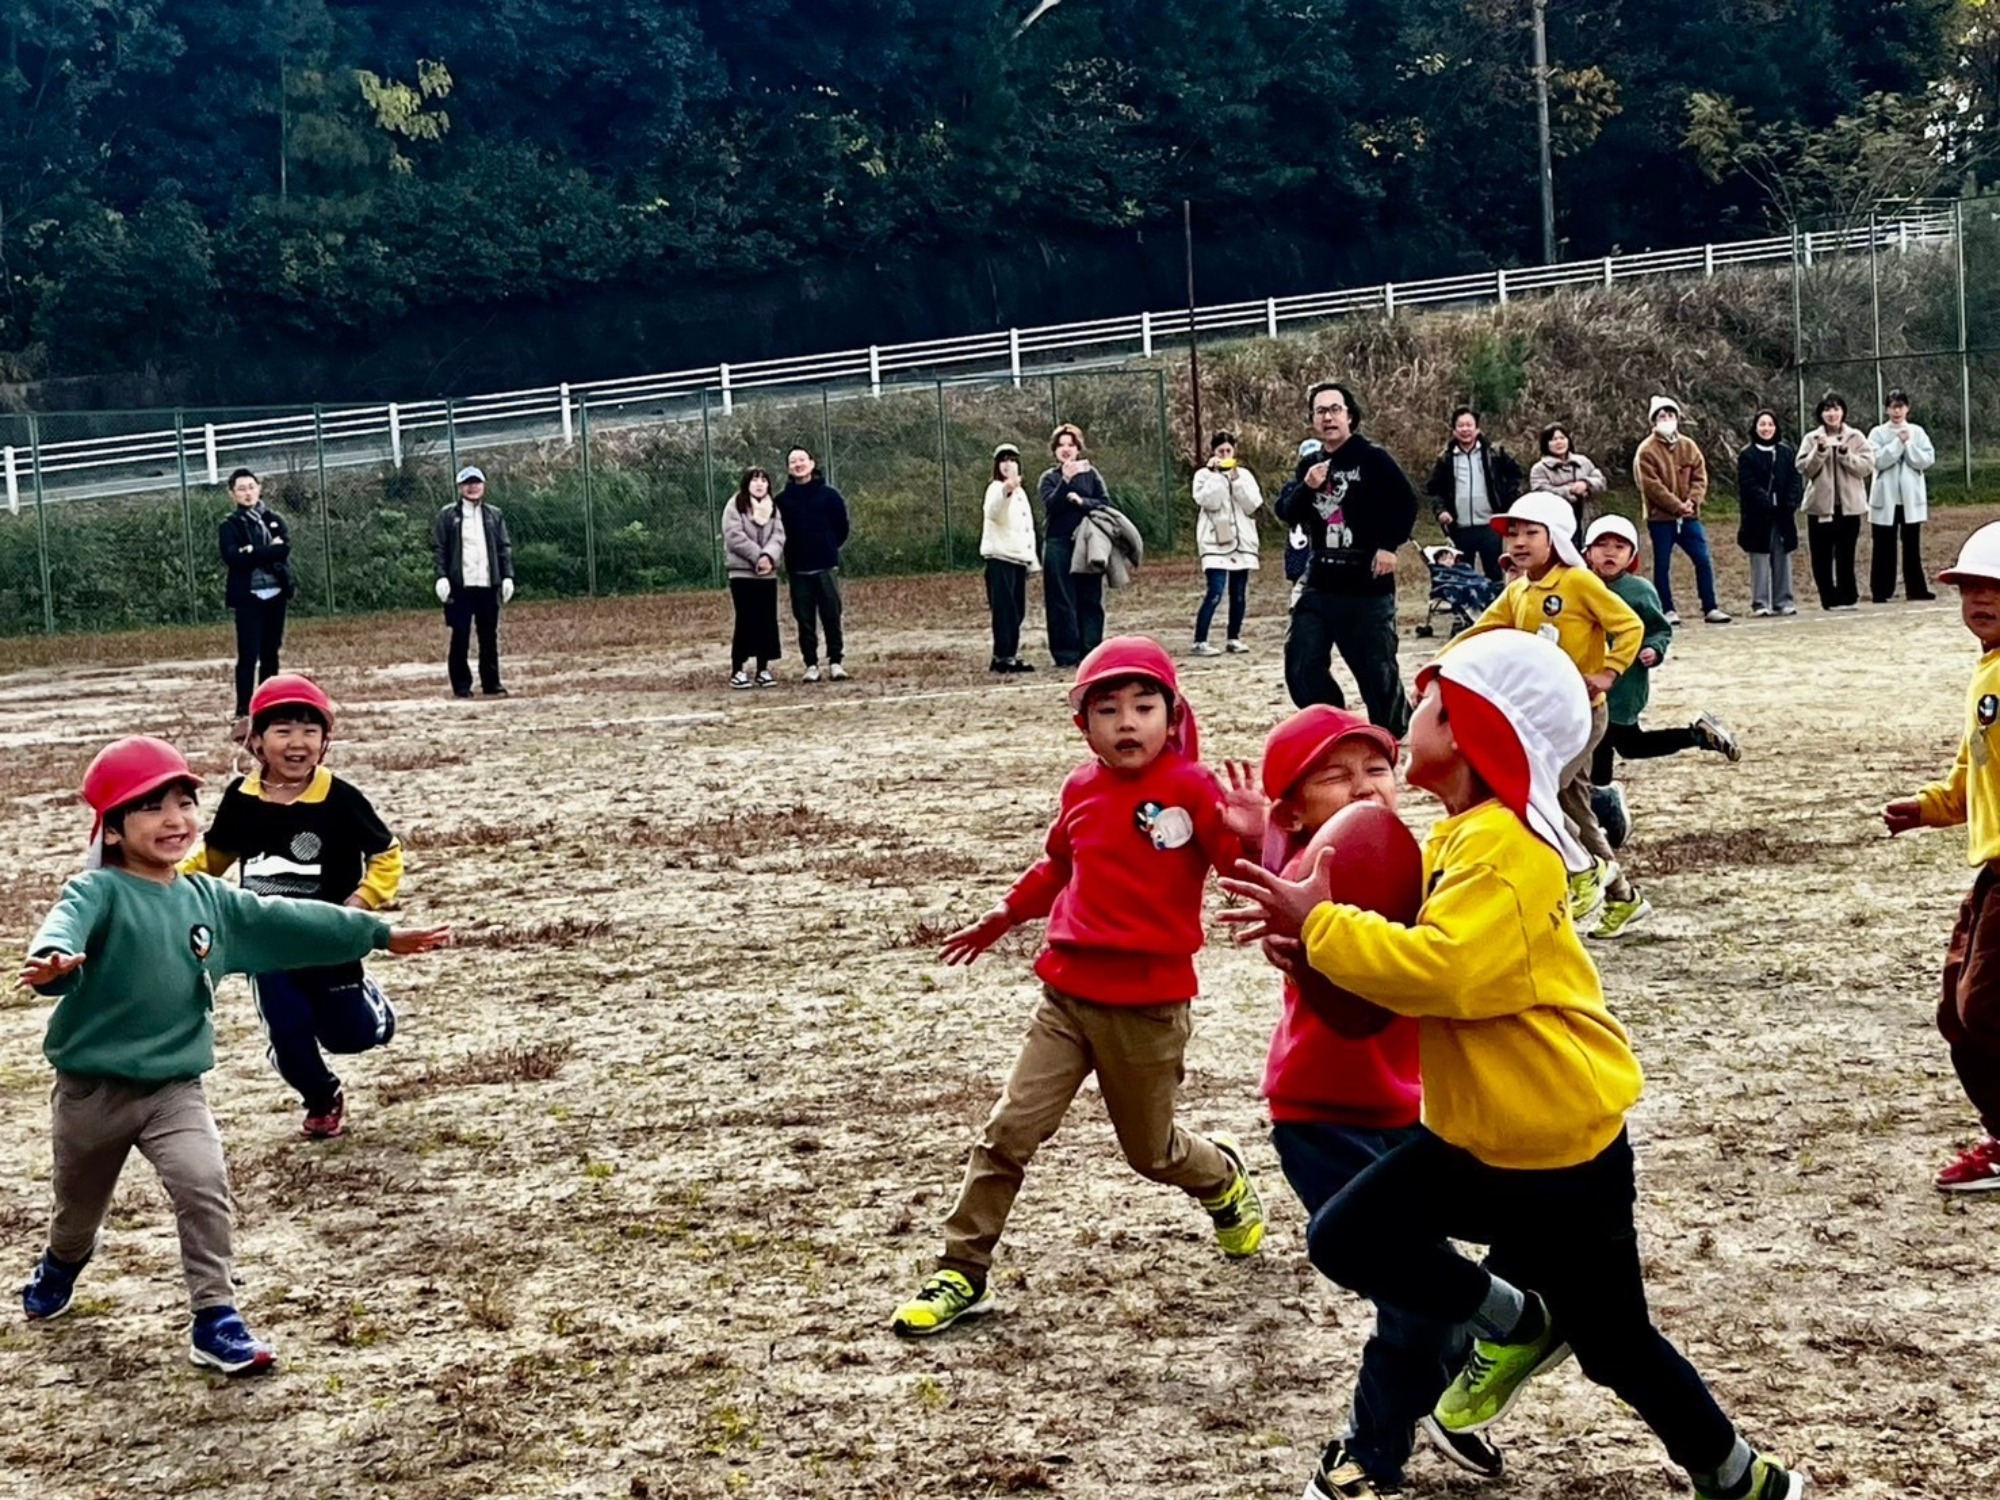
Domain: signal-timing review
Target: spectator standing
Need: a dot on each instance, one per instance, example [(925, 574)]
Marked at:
[(1672, 476), (1357, 507), (1227, 499), (1472, 482), (256, 549), (1837, 464), (474, 559), (1899, 503), (1007, 542), (1561, 470), (1070, 487), (816, 528), (1768, 492), (753, 545)]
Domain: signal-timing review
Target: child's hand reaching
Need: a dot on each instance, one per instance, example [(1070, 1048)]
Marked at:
[(966, 944), (1903, 815), (47, 968), (408, 940), (1649, 658), (1599, 683), (1244, 806), (1279, 907)]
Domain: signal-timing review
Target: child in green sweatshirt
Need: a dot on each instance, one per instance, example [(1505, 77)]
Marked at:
[(131, 952)]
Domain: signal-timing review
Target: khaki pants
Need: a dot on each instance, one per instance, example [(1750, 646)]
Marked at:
[(1574, 798), (95, 1123), (1136, 1052)]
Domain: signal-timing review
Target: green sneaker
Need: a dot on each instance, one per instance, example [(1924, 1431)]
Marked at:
[(1768, 1481), (941, 1302), (1493, 1377), (1239, 1212), (1619, 917), (1586, 895)]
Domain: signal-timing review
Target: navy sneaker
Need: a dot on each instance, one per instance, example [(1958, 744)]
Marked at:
[(50, 1286), (222, 1342)]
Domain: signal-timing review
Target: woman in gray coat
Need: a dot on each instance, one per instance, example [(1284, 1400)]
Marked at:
[(753, 544)]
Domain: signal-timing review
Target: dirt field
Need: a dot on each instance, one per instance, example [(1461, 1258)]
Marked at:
[(626, 1205)]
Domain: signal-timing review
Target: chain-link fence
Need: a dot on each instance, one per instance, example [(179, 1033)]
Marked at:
[(616, 498)]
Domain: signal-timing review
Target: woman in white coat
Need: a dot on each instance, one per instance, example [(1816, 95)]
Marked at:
[(1900, 503), (1227, 499), (1007, 542)]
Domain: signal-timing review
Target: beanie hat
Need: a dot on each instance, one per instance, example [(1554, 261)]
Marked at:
[(1659, 404), (1550, 511), (1616, 526), (1136, 656), (1520, 715)]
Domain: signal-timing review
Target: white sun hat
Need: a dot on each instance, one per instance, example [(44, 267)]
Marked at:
[(1551, 511), (1979, 558)]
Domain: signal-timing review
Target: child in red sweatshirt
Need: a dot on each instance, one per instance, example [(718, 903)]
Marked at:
[(1121, 884), (1339, 1103)]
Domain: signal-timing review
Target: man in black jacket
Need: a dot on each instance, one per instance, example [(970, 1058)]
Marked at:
[(1472, 482), (475, 576), (816, 528), (255, 547), (1357, 507)]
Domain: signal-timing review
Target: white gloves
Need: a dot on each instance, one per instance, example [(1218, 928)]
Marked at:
[(444, 590), (506, 591)]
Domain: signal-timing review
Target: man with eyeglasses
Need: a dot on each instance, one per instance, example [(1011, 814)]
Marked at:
[(1356, 506)]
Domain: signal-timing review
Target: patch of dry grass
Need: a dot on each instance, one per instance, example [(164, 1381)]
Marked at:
[(534, 1063)]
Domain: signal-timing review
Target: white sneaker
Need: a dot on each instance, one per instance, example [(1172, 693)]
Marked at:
[(739, 680), (836, 671), (1235, 648), (1673, 617), (765, 679), (1787, 609), (1714, 735), (1760, 610), (812, 674), (1716, 617), (1202, 648)]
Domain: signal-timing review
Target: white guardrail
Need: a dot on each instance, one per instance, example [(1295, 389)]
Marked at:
[(166, 457)]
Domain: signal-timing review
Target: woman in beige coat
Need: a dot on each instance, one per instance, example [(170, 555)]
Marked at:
[(1837, 464)]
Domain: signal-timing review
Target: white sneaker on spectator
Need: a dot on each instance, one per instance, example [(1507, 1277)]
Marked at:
[(1673, 617), (836, 671), (812, 673), (1202, 648), (1237, 647), (1717, 617)]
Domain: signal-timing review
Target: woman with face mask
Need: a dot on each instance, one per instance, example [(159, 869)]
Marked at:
[(1672, 477)]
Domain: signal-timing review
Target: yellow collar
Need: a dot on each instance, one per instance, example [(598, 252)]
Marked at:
[(316, 789)]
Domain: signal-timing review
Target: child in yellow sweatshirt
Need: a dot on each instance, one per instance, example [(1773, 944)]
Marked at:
[(1557, 597), (1969, 1012), (1527, 1077)]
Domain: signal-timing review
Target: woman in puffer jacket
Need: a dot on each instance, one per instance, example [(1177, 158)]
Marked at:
[(1563, 471), (1837, 465), (1226, 494)]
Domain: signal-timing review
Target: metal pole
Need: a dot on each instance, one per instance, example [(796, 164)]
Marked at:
[(42, 525), (589, 511), (1798, 324), (325, 511), (1194, 344), (708, 494), (187, 507), (1055, 414), (1875, 308), (1964, 357), (451, 440), (944, 474), (826, 432), (1166, 471), (1542, 132)]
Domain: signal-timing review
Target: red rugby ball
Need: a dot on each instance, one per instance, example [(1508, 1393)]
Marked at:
[(1377, 866)]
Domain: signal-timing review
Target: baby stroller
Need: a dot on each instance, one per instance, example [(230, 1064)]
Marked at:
[(1457, 590)]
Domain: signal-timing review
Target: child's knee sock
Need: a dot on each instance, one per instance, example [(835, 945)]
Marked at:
[(1731, 1476), (1502, 1311)]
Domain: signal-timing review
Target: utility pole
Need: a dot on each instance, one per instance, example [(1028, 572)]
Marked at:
[(1194, 346), (1541, 9)]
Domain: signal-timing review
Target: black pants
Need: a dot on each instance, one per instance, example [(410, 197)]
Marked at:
[(1833, 541), (756, 635), (1362, 627), (1482, 542), (1074, 603), (1568, 1233), (1882, 560), (467, 608), (260, 632), (1633, 743), (816, 604), (1007, 599)]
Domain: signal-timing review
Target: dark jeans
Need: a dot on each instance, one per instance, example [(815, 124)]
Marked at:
[(1237, 581), (815, 604), (1690, 536), (1482, 542), (1007, 600), (1362, 627), (260, 632), (1074, 602), (1882, 560), (467, 608), (300, 1017), (1567, 1232), (1633, 743), (1409, 1360), (1832, 541)]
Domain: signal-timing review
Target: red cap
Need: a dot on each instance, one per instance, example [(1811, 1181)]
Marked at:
[(1135, 656), (1295, 746), (125, 771), (290, 689)]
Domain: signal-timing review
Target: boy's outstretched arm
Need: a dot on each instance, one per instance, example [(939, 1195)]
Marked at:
[(1030, 898), (57, 949), (1939, 805)]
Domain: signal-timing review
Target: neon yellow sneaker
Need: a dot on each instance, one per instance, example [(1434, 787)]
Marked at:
[(1494, 1375), (1619, 917), (939, 1303), (1586, 895), (1239, 1212), (1768, 1481)]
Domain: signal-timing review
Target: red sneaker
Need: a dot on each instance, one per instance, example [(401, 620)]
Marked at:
[(1977, 1170), (334, 1122)]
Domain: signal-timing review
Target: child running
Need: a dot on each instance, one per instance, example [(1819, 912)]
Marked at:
[(1559, 599), (1611, 547), (1121, 882), (301, 831), (1340, 1103), (1969, 1012), (1527, 1076), (131, 953)]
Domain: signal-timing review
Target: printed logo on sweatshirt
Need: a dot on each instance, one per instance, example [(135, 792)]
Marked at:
[(1167, 827), (200, 941), (305, 847), (1553, 605), (1989, 710)]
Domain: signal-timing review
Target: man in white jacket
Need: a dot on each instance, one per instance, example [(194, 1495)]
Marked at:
[(1899, 504)]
